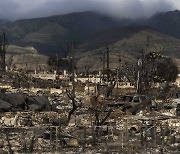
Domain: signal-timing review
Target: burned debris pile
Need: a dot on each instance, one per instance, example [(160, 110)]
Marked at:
[(98, 125)]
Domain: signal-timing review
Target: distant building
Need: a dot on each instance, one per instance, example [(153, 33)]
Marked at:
[(178, 80), (5, 86), (124, 85), (91, 79), (54, 90), (44, 76), (50, 76)]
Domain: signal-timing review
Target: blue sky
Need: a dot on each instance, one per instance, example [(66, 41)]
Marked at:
[(18, 9)]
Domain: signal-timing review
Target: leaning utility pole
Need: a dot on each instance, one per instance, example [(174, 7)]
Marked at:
[(3, 45)]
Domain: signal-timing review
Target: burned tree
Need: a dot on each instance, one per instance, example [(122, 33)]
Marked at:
[(100, 112), (71, 94)]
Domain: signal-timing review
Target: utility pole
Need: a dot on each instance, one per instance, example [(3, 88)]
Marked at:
[(87, 74), (142, 70), (104, 56), (3, 45), (28, 86), (138, 84), (118, 71), (147, 43), (117, 78), (57, 63), (119, 61), (107, 64)]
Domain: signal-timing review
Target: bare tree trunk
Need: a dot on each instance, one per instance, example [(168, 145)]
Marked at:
[(98, 122), (9, 144), (31, 147), (71, 94), (106, 117), (24, 142), (110, 89), (74, 108)]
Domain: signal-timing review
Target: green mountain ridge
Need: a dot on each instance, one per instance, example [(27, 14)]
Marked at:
[(168, 23), (126, 42), (53, 34), (93, 32)]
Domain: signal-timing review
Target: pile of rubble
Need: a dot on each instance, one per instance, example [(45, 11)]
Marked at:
[(49, 130)]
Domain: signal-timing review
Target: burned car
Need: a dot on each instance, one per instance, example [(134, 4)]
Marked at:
[(133, 103)]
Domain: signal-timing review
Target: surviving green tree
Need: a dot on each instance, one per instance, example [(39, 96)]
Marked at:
[(156, 68)]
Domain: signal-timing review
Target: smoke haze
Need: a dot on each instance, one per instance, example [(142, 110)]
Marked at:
[(18, 9)]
